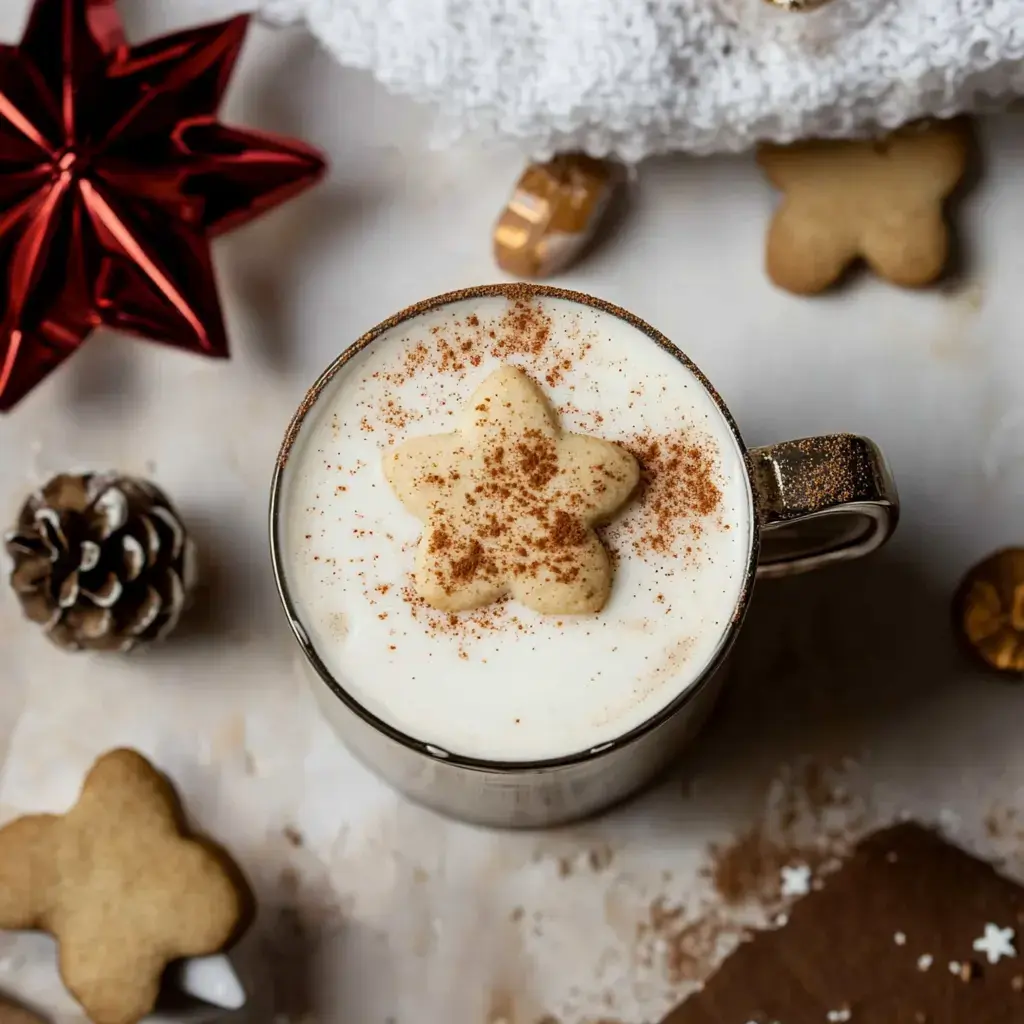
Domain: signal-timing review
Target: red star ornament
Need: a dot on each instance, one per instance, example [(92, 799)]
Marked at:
[(114, 175)]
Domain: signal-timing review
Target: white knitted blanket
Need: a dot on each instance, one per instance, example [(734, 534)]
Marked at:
[(635, 77)]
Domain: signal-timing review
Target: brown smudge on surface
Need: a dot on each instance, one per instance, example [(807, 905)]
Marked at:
[(501, 1007), (808, 819), (793, 831)]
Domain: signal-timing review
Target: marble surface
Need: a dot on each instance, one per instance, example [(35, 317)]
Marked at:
[(374, 911)]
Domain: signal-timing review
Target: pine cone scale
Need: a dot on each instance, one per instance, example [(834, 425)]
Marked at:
[(29, 573), (106, 594), (51, 531), (133, 558), (173, 527), (172, 602), (109, 512), (67, 491), (67, 596), (146, 614), (90, 556)]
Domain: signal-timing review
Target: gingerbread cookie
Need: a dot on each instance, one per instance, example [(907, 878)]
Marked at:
[(509, 503), (119, 886), (880, 201)]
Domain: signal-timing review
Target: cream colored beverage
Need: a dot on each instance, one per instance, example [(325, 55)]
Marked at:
[(504, 682)]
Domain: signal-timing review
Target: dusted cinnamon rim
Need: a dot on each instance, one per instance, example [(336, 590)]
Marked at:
[(525, 292)]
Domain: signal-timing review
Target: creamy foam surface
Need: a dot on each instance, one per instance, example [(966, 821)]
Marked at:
[(505, 683)]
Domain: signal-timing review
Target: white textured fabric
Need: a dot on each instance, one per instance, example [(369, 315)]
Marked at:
[(634, 77)]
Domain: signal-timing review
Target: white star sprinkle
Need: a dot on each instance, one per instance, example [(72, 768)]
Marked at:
[(900, 939), (796, 881), (838, 1016), (995, 943), (925, 961)]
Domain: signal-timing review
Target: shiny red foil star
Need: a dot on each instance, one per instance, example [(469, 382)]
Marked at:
[(114, 174)]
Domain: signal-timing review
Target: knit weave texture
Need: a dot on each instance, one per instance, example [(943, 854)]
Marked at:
[(635, 77)]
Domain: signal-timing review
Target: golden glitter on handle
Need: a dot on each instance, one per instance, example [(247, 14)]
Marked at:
[(988, 611), (821, 500)]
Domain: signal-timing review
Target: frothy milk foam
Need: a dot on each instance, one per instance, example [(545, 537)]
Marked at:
[(504, 683)]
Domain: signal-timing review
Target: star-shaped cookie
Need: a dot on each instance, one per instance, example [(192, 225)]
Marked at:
[(877, 200), (509, 503), (119, 887)]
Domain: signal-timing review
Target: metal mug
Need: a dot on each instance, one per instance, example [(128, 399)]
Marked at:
[(812, 502)]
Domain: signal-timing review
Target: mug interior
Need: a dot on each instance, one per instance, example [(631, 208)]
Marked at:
[(314, 457)]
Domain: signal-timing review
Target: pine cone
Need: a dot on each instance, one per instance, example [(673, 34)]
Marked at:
[(101, 562)]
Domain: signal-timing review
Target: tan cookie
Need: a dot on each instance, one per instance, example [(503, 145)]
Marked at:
[(880, 201), (119, 887), (509, 502), (11, 1013)]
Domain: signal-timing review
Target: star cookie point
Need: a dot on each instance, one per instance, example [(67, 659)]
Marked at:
[(509, 502)]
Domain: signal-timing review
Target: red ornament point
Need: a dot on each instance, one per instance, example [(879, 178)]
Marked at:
[(114, 174)]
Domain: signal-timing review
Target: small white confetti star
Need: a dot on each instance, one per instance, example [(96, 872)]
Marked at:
[(995, 943), (925, 961), (900, 939), (796, 881), (954, 966), (838, 1016)]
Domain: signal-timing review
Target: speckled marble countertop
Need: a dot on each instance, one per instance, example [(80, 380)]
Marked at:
[(377, 911)]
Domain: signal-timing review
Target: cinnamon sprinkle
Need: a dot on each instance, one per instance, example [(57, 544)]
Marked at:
[(523, 330), (678, 493), (466, 626)]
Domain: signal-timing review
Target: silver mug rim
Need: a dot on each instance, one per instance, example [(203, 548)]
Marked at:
[(430, 750)]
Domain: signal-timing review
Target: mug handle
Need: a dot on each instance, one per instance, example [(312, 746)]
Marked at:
[(820, 500)]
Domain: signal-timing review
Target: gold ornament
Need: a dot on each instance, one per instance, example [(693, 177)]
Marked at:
[(553, 213), (989, 610)]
